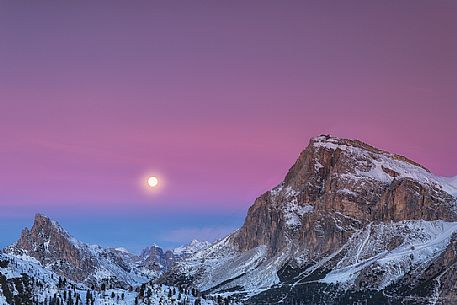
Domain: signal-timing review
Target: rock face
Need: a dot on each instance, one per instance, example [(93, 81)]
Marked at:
[(348, 218), (335, 177), (154, 258), (51, 245)]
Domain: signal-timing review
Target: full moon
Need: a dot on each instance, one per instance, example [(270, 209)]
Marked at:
[(153, 181)]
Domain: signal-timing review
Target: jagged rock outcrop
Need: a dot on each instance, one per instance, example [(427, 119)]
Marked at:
[(52, 246), (348, 218), (57, 250), (154, 258)]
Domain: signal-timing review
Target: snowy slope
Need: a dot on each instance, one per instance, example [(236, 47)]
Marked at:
[(371, 250), (47, 287), (191, 248)]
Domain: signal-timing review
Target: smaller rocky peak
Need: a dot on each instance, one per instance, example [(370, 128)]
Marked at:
[(44, 229), (44, 223), (153, 250), (41, 219), (155, 258)]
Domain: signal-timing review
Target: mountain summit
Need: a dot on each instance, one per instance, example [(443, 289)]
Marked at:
[(349, 219)]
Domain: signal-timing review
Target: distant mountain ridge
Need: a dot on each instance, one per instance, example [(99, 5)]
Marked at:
[(56, 249)]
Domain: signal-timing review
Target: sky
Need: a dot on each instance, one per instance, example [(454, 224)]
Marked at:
[(216, 98)]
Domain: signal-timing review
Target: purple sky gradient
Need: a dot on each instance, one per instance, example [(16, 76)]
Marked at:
[(217, 98)]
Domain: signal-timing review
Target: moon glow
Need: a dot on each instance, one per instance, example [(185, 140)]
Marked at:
[(153, 181)]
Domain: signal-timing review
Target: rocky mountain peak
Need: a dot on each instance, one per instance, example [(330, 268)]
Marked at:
[(44, 227), (41, 219), (337, 186), (58, 251), (55, 248), (43, 235), (155, 258), (346, 213)]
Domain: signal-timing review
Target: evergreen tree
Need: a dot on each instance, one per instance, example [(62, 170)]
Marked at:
[(141, 294), (70, 300), (88, 297)]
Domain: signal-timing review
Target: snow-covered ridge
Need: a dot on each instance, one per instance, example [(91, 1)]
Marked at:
[(383, 166), (452, 183), (421, 241), (193, 247), (122, 249)]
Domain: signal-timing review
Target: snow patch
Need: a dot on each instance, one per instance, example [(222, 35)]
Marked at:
[(122, 249), (347, 192), (293, 213)]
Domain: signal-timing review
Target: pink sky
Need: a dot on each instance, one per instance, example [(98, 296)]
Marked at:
[(218, 98)]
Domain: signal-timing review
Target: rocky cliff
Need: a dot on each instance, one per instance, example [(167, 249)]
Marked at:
[(336, 186), (348, 218)]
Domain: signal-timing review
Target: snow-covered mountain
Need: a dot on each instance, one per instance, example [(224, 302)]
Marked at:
[(349, 223), (48, 266), (57, 250)]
